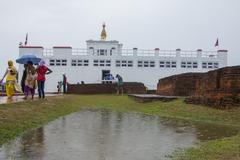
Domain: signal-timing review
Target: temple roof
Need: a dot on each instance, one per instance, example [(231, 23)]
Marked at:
[(103, 33)]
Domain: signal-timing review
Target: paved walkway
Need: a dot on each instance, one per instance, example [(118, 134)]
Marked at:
[(5, 100), (19, 98)]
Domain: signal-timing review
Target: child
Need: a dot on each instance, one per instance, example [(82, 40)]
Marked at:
[(58, 87)]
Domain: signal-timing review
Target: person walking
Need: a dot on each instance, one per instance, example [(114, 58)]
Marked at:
[(11, 80), (119, 84), (42, 70), (64, 83), (31, 79)]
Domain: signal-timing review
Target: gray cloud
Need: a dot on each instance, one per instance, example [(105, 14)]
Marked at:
[(167, 24)]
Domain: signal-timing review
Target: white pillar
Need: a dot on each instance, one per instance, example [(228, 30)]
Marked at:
[(223, 57), (199, 53), (178, 53), (157, 51), (135, 51)]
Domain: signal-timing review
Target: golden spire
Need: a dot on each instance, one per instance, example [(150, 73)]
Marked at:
[(103, 33)]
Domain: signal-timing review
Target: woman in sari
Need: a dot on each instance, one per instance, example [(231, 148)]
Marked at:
[(11, 81), (30, 81)]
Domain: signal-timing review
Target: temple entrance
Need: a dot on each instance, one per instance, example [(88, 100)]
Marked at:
[(105, 73)]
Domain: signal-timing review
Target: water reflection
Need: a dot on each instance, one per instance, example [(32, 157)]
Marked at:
[(6, 100), (105, 135), (29, 146)]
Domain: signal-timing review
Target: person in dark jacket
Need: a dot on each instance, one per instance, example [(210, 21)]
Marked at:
[(119, 84), (64, 83)]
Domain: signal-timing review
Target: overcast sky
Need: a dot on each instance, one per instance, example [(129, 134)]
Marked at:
[(146, 24)]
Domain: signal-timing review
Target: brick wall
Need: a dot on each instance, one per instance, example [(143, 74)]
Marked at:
[(219, 88), (128, 87), (178, 85)]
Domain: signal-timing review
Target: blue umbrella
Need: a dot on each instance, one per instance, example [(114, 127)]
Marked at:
[(25, 58)]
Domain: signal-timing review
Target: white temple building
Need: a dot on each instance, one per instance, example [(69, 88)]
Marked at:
[(100, 57)]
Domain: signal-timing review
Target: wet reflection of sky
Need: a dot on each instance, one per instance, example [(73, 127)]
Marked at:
[(104, 135), (4, 99), (19, 98)]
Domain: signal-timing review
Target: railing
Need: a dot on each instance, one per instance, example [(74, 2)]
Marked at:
[(127, 52), (167, 53), (79, 51), (209, 54), (189, 54), (48, 52), (146, 53)]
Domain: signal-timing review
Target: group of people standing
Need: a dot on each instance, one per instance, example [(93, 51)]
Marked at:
[(109, 78), (32, 78)]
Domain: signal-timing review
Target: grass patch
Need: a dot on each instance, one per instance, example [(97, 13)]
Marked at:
[(19, 117), (223, 149)]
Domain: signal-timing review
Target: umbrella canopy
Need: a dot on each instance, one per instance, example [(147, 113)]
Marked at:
[(25, 58)]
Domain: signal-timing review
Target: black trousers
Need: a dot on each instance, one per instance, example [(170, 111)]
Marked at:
[(41, 92), (64, 88)]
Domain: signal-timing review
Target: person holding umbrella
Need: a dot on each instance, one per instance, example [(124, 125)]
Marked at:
[(41, 71), (11, 80), (31, 76), (31, 80)]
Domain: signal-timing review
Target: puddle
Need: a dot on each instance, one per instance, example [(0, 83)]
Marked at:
[(106, 135)]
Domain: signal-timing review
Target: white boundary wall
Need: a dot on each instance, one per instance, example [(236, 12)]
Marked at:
[(149, 74)]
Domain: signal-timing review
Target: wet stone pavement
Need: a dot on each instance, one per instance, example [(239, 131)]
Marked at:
[(5, 100), (19, 98), (105, 135)]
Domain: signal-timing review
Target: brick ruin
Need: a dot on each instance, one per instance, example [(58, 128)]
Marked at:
[(128, 87), (219, 88), (178, 85)]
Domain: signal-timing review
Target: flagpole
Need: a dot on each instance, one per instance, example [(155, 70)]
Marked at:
[(26, 39), (217, 44)]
